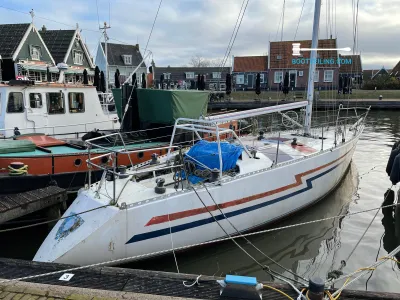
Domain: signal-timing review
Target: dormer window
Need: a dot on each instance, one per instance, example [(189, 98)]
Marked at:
[(189, 75), (127, 59), (216, 74), (78, 58), (35, 52)]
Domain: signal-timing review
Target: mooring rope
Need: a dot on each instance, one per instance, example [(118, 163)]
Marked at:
[(125, 259), (366, 229), (249, 242), (363, 271)]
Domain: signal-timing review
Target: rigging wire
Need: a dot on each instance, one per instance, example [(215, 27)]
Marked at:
[(120, 260), (283, 18), (364, 271), (98, 18), (279, 25), (376, 259), (298, 23), (47, 19), (224, 239), (53, 220), (152, 27), (226, 233), (247, 240), (366, 229), (233, 32), (263, 267), (234, 39)]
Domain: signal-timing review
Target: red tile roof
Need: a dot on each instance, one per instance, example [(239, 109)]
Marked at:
[(281, 54), (250, 63)]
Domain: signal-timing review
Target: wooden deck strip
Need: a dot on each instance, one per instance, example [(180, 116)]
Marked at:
[(17, 205), (130, 284)]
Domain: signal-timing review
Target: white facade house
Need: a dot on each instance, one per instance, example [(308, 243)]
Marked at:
[(125, 58)]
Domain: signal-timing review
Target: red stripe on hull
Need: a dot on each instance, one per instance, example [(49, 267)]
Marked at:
[(197, 211)]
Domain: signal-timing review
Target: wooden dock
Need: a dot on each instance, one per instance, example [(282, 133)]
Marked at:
[(128, 284), (13, 206), (321, 104)]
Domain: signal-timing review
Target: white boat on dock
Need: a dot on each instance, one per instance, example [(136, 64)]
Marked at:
[(210, 190), (259, 179)]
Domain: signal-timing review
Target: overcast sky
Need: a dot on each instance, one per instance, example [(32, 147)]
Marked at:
[(188, 27)]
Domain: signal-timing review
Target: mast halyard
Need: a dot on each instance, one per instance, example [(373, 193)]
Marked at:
[(313, 61)]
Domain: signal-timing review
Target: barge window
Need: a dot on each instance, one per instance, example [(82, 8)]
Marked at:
[(15, 103), (76, 102), (35, 100), (55, 103)]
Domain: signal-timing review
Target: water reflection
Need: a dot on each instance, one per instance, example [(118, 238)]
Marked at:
[(288, 246)]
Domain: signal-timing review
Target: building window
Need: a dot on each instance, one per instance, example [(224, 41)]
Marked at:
[(15, 103), (300, 73), (76, 102), (36, 76), (55, 103), (189, 75), (316, 76), (167, 76), (216, 74), (328, 76), (278, 57), (240, 79), (278, 77), (35, 52), (78, 58), (261, 78), (35, 100), (55, 77), (128, 59)]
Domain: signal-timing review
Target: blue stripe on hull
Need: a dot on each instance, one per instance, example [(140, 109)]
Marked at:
[(177, 228)]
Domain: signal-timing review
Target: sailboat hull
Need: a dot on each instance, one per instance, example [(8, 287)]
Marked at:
[(156, 226)]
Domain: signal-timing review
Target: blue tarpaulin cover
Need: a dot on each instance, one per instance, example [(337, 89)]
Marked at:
[(207, 153)]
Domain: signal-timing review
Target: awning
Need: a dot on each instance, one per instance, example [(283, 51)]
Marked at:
[(77, 71), (34, 67)]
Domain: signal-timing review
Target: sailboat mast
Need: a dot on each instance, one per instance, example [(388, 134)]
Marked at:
[(313, 61), (105, 48)]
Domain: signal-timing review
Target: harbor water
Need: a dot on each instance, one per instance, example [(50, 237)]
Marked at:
[(308, 250)]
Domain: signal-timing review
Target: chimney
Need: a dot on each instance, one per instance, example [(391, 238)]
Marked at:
[(44, 28)]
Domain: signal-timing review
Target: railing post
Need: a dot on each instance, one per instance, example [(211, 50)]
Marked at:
[(322, 139), (219, 152), (115, 176), (277, 148), (89, 166)]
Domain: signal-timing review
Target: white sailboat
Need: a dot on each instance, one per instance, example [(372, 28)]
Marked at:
[(208, 191)]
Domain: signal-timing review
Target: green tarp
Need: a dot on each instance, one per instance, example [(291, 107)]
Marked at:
[(165, 106), (117, 93), (14, 146)]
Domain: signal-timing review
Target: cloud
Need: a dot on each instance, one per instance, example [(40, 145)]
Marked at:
[(188, 27)]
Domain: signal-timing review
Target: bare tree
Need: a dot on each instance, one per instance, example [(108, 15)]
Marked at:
[(218, 62), (199, 61)]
